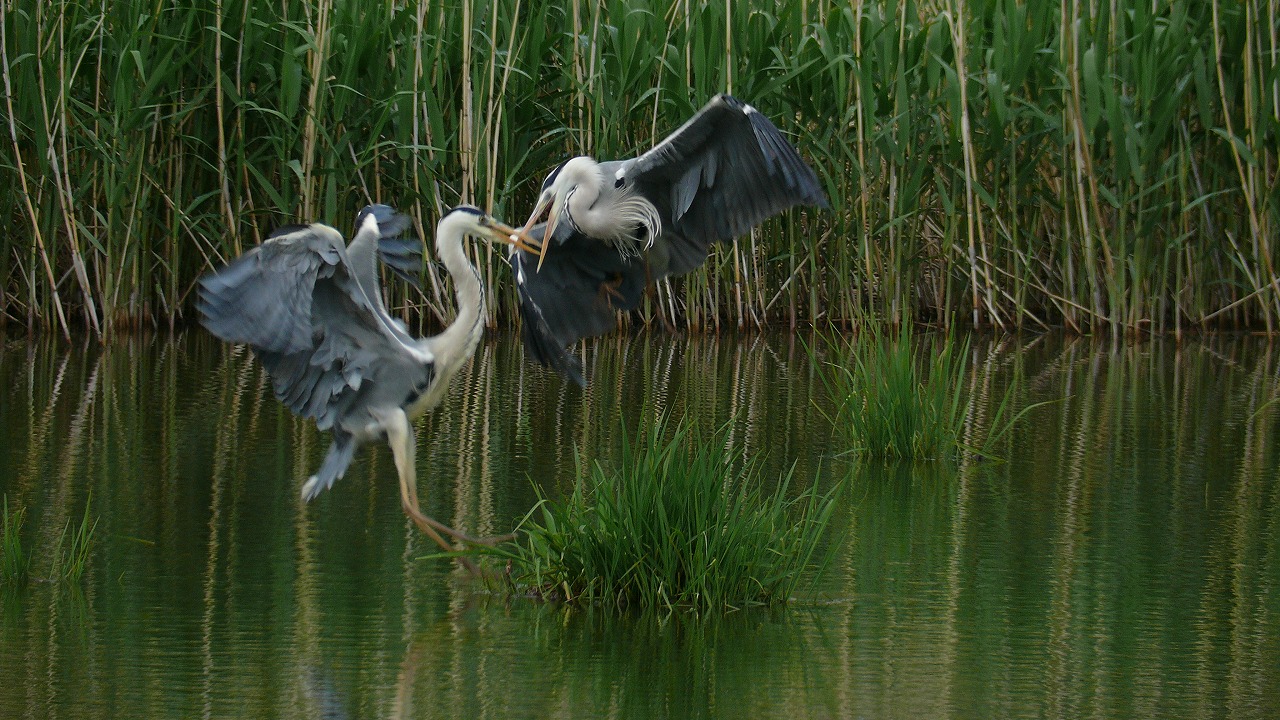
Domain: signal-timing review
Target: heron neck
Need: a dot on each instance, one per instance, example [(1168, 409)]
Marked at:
[(463, 334)]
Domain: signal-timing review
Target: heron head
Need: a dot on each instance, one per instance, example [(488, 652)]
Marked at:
[(556, 189), (483, 225)]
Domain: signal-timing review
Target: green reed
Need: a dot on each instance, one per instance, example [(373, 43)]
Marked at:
[(1011, 163), (70, 553), (680, 524)]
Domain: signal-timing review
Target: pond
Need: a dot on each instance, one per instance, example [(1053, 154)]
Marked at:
[(1119, 557)]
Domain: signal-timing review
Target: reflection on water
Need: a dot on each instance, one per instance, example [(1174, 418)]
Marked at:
[(1121, 561)]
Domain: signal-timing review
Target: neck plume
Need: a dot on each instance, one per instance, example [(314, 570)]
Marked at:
[(614, 215)]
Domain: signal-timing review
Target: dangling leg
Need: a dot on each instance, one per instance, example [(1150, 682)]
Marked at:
[(400, 438)]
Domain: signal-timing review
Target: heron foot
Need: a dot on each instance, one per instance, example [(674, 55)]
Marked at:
[(432, 529)]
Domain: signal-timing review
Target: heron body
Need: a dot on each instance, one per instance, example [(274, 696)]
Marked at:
[(310, 307), (614, 227)]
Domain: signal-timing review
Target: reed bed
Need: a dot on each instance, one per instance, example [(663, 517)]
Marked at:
[(681, 524), (1101, 166)]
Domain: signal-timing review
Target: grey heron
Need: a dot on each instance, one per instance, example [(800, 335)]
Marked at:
[(615, 227), (310, 306)]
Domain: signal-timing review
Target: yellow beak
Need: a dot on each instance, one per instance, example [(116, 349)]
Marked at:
[(516, 238), (547, 199)]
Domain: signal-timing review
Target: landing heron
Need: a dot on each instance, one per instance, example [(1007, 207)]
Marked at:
[(310, 306), (615, 227)]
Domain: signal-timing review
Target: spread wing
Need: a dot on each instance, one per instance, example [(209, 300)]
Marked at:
[(264, 297), (721, 173), (297, 300), (577, 293)]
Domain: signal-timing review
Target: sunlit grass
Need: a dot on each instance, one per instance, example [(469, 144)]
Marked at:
[(680, 523)]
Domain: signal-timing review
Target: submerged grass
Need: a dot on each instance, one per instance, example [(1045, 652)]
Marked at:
[(899, 398), (13, 560), (893, 404), (72, 551), (681, 524)]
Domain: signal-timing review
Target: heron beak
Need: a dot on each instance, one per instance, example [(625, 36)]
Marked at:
[(516, 238), (544, 201), (553, 219)]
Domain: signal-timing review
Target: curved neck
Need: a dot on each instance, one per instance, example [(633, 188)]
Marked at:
[(459, 340)]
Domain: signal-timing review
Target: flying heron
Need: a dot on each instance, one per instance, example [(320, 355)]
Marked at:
[(615, 227), (310, 306)]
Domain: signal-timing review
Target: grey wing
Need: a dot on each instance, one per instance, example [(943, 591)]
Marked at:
[(295, 301), (396, 247), (577, 293), (263, 298), (403, 255), (351, 365), (387, 244), (721, 173)]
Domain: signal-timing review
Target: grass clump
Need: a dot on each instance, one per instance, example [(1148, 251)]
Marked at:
[(681, 524), (893, 405), (13, 560), (69, 555), (72, 551)]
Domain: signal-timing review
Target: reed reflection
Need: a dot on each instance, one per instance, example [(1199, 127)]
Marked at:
[(1118, 560)]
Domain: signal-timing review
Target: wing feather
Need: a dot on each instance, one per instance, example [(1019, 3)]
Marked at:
[(721, 173), (297, 302), (263, 298), (577, 293)]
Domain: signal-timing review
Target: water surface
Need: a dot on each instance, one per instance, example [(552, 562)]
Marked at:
[(1121, 560)]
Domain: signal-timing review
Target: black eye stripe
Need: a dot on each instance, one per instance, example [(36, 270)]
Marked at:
[(554, 174)]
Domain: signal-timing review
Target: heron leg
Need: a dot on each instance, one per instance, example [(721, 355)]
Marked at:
[(400, 438), (651, 289)]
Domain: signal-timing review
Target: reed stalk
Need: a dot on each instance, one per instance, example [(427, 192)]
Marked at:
[(1100, 167)]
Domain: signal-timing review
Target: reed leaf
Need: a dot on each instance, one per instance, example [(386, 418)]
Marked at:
[(13, 559), (1010, 163)]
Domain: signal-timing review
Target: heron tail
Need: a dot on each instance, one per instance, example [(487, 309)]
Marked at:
[(334, 466)]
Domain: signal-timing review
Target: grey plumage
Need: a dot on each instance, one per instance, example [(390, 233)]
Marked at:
[(724, 171), (310, 307), (576, 294)]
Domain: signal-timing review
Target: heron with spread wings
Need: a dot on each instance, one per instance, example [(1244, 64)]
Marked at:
[(310, 306), (615, 227)]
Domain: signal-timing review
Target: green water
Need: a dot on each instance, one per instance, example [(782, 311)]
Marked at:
[(1122, 561)]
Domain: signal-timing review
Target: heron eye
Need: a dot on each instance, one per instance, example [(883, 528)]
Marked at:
[(620, 182)]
